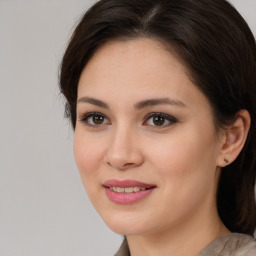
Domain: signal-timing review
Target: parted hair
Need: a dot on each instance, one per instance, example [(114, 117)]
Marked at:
[(218, 49)]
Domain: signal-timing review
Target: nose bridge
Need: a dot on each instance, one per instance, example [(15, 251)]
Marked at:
[(123, 151)]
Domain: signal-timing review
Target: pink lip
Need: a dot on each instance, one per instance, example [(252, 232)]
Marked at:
[(127, 198)]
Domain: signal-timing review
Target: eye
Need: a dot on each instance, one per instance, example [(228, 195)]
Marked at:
[(159, 120), (94, 119)]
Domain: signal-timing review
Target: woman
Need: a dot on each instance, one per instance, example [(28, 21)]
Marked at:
[(161, 95)]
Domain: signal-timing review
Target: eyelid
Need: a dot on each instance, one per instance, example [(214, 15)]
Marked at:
[(168, 117), (84, 117)]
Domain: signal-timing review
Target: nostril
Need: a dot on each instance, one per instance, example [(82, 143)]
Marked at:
[(124, 165), (128, 164), (123, 160)]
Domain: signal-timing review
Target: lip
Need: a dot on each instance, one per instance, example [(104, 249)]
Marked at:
[(127, 198), (126, 183)]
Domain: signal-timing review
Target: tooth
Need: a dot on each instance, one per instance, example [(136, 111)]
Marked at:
[(119, 190), (128, 190)]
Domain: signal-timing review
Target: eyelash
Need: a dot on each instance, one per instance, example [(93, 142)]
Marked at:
[(85, 118), (168, 120)]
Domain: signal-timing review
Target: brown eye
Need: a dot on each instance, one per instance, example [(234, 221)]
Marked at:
[(94, 119), (97, 119), (158, 120)]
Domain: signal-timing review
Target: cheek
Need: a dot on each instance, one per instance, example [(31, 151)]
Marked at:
[(179, 151), (88, 152), (186, 168), (187, 160)]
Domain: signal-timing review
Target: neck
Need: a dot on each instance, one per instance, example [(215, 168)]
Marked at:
[(186, 239)]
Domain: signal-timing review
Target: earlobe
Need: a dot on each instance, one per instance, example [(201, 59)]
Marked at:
[(234, 138)]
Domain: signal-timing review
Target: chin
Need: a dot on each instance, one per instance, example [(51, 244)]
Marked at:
[(125, 224), (127, 229)]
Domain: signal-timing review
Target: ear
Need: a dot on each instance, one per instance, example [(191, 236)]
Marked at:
[(233, 138)]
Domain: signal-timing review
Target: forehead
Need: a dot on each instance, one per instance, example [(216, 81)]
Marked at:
[(145, 53), (137, 68)]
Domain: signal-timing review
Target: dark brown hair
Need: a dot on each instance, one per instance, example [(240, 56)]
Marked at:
[(218, 49)]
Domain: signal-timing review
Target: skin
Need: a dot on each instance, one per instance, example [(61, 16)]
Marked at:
[(182, 158)]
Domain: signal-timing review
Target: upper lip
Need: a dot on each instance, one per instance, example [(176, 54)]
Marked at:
[(127, 184)]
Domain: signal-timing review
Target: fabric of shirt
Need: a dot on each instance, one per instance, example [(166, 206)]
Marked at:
[(232, 244)]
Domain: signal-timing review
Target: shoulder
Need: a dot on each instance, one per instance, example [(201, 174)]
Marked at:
[(232, 244), (124, 249)]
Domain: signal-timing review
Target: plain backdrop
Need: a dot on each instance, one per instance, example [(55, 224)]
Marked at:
[(44, 210)]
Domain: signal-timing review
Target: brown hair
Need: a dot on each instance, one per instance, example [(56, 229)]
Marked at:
[(219, 50)]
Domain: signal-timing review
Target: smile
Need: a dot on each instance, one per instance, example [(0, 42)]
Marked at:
[(127, 191)]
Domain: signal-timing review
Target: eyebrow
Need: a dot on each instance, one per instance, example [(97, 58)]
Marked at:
[(139, 105), (93, 101), (159, 101)]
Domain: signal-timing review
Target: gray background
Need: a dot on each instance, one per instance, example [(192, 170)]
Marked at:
[(43, 208)]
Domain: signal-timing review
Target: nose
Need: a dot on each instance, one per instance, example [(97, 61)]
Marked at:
[(123, 151)]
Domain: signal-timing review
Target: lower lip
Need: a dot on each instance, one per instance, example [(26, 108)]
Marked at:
[(127, 198)]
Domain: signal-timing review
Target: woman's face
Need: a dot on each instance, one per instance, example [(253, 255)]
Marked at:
[(145, 142)]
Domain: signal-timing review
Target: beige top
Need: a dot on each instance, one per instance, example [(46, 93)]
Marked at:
[(232, 244)]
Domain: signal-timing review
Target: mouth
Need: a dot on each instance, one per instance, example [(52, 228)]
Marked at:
[(127, 191)]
